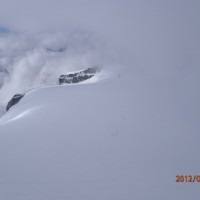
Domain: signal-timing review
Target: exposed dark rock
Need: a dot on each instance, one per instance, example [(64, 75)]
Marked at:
[(16, 98), (74, 77), (77, 77)]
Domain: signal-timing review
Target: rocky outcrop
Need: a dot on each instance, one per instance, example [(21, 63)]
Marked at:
[(16, 98), (79, 76), (73, 77)]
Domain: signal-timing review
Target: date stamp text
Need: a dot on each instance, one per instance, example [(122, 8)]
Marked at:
[(188, 178)]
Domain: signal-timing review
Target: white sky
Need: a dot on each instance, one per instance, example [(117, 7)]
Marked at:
[(159, 32)]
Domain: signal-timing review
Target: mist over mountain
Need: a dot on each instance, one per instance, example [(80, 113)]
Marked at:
[(28, 61)]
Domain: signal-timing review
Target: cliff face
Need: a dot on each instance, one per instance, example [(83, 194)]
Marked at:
[(70, 78), (79, 76), (16, 98)]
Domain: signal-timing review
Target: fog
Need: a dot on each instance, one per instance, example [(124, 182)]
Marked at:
[(156, 37), (28, 61)]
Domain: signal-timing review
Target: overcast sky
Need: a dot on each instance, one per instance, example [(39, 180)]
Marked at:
[(158, 38), (144, 24), (151, 36)]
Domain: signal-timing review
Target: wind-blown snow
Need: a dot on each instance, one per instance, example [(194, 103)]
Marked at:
[(28, 61)]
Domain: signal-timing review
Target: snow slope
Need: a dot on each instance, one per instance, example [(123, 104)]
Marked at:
[(120, 138), (33, 60)]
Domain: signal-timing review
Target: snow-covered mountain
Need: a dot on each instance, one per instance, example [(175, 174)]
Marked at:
[(126, 132), (33, 60), (98, 140)]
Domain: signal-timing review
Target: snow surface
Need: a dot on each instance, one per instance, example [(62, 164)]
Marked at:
[(99, 141)]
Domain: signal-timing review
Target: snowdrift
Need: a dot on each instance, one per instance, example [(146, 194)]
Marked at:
[(94, 141)]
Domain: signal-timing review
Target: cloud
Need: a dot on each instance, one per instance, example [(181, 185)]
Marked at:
[(154, 39), (28, 61)]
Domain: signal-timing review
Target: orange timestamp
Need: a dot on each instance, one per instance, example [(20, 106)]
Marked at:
[(188, 178)]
